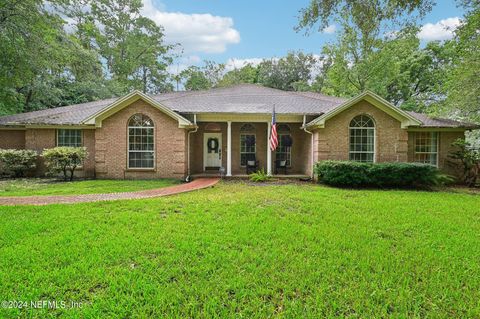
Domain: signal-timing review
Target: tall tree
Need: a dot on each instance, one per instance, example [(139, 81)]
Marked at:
[(245, 74), (132, 45), (366, 14), (364, 26), (195, 79), (35, 54), (464, 80), (293, 72)]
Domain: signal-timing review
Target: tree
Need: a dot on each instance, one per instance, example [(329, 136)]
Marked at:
[(464, 81), (245, 74), (364, 24), (292, 72), (132, 45), (31, 46), (195, 79), (365, 14), (213, 72)]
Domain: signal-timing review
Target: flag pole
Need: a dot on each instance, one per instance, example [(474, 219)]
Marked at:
[(272, 141)]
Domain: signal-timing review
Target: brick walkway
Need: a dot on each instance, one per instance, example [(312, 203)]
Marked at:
[(85, 198)]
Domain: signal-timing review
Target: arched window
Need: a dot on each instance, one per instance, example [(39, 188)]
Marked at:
[(141, 142), (283, 152), (248, 145), (362, 139)]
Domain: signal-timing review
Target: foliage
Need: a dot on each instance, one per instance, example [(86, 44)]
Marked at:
[(195, 79), (63, 52), (64, 160), (17, 162), (355, 174), (202, 78), (292, 251), (132, 45), (43, 186), (259, 176), (468, 159), (245, 74), (293, 72), (377, 48), (367, 14), (463, 84)]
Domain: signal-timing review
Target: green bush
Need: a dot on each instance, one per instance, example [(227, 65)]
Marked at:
[(17, 162), (64, 160), (259, 176), (382, 175), (468, 159)]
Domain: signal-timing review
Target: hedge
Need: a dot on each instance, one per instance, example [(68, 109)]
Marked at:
[(16, 163), (64, 159), (381, 175)]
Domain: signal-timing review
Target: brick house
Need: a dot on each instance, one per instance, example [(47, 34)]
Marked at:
[(191, 133)]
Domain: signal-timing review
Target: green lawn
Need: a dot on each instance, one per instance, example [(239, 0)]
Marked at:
[(38, 186), (237, 250)]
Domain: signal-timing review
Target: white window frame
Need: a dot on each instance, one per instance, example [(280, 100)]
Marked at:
[(67, 129), (144, 151), (289, 149), (415, 152), (374, 129), (255, 147)]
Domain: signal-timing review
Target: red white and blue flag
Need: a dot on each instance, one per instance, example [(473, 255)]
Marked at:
[(273, 133)]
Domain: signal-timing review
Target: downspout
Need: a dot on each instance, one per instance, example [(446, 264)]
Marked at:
[(311, 142), (188, 146)]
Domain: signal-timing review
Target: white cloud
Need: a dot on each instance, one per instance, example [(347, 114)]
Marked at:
[(204, 33), (330, 29), (442, 30), (234, 63)]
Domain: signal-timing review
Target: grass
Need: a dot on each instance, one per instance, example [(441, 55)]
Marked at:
[(38, 186), (239, 250)]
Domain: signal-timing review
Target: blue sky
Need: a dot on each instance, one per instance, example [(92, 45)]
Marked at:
[(220, 30)]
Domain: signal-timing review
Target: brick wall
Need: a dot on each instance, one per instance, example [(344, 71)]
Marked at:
[(88, 169), (38, 140), (332, 142), (111, 145), (14, 139)]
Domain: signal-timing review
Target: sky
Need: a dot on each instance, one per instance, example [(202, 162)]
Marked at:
[(237, 32)]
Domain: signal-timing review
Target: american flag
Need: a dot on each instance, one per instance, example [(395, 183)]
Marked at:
[(273, 133)]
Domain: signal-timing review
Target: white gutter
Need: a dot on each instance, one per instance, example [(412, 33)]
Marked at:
[(311, 142), (188, 144)]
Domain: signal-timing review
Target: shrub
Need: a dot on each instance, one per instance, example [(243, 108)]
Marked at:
[(403, 175), (64, 159), (17, 162), (259, 176), (468, 159)]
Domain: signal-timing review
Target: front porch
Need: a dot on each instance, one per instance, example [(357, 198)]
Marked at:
[(223, 148)]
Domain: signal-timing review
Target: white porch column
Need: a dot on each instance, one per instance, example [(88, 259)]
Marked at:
[(229, 148), (269, 152)]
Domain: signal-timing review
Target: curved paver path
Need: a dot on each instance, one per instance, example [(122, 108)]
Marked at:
[(85, 198)]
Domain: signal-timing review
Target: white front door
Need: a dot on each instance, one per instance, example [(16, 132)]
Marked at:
[(212, 150)]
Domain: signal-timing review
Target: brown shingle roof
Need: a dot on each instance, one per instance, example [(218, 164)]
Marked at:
[(244, 98)]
